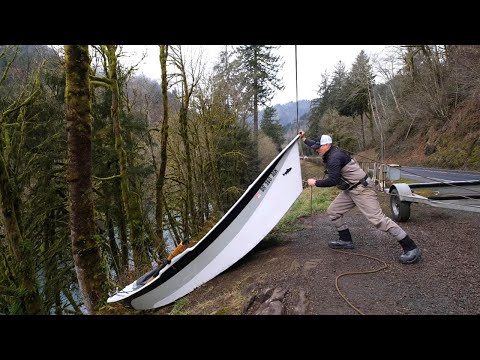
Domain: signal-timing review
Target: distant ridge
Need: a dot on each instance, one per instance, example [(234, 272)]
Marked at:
[(287, 113)]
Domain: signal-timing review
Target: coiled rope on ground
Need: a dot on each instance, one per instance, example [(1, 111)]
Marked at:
[(356, 273)]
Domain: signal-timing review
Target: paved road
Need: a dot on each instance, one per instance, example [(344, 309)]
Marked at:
[(422, 175)]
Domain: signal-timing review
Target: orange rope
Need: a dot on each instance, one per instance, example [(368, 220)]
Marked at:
[(356, 273)]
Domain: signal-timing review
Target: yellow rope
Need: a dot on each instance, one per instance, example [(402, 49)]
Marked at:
[(357, 273), (352, 272), (311, 200)]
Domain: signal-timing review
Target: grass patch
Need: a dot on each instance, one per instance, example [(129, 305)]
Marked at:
[(424, 192), (271, 239), (178, 308), (310, 201), (231, 301), (222, 311), (404, 181)]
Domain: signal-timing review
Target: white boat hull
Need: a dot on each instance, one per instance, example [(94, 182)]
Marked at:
[(247, 222)]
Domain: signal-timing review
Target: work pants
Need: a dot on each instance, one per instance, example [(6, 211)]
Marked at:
[(365, 198)]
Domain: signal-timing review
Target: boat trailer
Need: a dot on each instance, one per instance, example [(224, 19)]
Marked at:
[(458, 195)]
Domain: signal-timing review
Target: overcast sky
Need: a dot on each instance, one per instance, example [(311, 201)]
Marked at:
[(312, 62)]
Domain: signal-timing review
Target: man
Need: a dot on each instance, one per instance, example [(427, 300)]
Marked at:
[(358, 190)]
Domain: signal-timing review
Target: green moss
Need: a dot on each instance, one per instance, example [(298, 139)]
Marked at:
[(473, 161), (222, 311)]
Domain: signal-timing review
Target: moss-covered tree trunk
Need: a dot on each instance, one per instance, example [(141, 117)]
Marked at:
[(130, 204), (161, 246), (191, 211), (255, 114), (212, 165), (86, 252), (173, 224), (122, 224), (255, 100), (200, 176), (113, 243)]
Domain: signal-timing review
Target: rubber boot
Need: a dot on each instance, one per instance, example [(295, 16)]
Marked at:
[(411, 252), (344, 241)]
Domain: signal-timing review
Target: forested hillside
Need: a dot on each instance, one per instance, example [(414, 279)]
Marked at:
[(104, 172), (412, 104)]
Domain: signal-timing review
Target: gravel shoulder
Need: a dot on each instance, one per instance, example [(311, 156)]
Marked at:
[(295, 272)]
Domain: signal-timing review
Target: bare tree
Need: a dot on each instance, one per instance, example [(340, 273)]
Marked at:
[(187, 81), (163, 153), (130, 202)]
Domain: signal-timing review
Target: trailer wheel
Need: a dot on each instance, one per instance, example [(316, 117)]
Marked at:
[(400, 209)]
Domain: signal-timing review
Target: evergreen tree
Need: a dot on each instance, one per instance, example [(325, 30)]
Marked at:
[(272, 128), (230, 84), (318, 107), (354, 99), (339, 79), (261, 68)]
